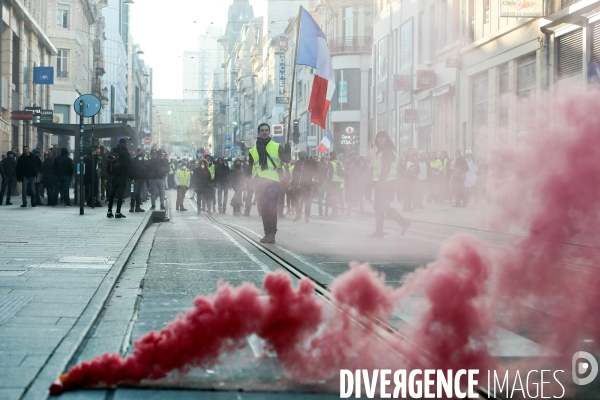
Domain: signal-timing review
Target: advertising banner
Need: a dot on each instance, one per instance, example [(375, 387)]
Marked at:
[(521, 8)]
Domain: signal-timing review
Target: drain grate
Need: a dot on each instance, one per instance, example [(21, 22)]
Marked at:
[(12, 272), (10, 305), (76, 266)]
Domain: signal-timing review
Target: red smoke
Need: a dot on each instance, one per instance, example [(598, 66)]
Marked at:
[(547, 183)]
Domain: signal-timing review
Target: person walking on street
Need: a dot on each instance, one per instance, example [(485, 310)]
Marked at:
[(158, 168), (119, 166), (385, 174), (435, 183), (222, 180), (139, 173), (202, 182), (322, 183), (458, 169), (182, 182), (422, 178), (63, 170), (92, 163), (471, 176), (38, 179), (49, 178), (410, 170), (28, 166), (335, 190), (266, 159), (9, 174), (303, 180), (237, 183)]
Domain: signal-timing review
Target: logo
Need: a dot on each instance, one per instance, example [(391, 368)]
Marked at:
[(580, 368)]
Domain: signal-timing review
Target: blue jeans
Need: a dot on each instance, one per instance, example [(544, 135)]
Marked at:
[(7, 185), (223, 192), (268, 193), (28, 185), (62, 186), (157, 187)]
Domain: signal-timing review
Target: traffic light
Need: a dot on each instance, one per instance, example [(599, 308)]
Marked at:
[(296, 131)]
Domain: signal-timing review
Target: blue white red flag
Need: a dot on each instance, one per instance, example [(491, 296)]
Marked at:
[(313, 51), (325, 143)]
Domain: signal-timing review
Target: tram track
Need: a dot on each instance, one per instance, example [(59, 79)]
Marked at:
[(384, 330)]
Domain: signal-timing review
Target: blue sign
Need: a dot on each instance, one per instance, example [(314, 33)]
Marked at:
[(43, 75), (227, 137), (233, 149), (91, 105)]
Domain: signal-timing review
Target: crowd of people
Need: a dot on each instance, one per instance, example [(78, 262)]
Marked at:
[(336, 183)]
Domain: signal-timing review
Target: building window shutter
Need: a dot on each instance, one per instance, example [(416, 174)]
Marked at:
[(595, 57), (570, 54)]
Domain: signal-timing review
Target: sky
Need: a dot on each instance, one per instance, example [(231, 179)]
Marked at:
[(164, 30)]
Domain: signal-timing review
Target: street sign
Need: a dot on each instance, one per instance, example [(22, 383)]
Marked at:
[(91, 108), (228, 146), (425, 79), (311, 140), (282, 100), (453, 62), (147, 141), (277, 130), (47, 116), (282, 43), (227, 137), (233, 149)]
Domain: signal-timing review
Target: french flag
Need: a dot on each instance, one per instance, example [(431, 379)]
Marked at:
[(313, 51), (325, 143)]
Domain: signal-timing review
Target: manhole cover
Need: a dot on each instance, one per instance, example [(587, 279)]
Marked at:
[(75, 266), (10, 305), (12, 272), (83, 260)]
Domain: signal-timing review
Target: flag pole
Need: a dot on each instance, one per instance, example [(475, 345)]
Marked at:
[(287, 140)]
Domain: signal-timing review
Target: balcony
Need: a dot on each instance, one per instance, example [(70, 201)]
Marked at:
[(62, 74), (351, 44), (100, 67), (97, 87)]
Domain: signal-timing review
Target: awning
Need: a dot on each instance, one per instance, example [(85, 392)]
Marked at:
[(574, 14), (100, 130)]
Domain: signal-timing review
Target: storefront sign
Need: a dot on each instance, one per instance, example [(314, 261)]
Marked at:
[(282, 100), (453, 62), (411, 116), (282, 74), (403, 83), (47, 116), (425, 79), (343, 92), (521, 8), (21, 115)]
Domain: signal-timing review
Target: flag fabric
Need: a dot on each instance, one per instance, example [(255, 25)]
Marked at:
[(313, 51), (325, 143)]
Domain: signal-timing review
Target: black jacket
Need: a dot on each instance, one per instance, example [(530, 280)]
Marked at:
[(63, 165), (28, 166), (201, 178), (158, 168), (48, 177), (9, 165), (304, 174), (139, 168), (124, 172), (89, 167), (222, 173), (237, 177)]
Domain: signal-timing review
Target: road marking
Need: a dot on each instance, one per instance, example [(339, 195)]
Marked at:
[(242, 248)]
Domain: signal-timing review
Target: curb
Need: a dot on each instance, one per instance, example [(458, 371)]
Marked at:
[(64, 354)]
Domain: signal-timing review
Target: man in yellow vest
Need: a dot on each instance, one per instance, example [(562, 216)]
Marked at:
[(182, 182), (385, 174), (336, 183), (267, 158)]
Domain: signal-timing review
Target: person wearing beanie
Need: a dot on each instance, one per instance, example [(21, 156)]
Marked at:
[(9, 169), (28, 166), (121, 178), (63, 170)]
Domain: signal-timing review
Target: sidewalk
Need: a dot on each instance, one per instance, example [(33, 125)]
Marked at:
[(57, 269)]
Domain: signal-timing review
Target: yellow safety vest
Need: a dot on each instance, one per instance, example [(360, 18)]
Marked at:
[(336, 177), (183, 177), (393, 175), (171, 169), (211, 169), (271, 171)]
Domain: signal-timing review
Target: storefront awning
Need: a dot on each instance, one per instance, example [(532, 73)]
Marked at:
[(573, 14), (100, 130)]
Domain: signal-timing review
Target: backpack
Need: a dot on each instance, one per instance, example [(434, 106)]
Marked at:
[(113, 163)]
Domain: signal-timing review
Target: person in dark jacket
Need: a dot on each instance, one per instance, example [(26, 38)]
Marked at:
[(28, 167), (139, 173), (38, 179), (202, 183), (9, 173), (303, 181), (158, 168), (385, 174), (237, 183), (121, 178), (63, 170), (222, 180), (49, 178), (92, 163)]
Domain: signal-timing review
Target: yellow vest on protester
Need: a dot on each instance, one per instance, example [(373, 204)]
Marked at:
[(211, 169), (183, 177), (378, 166), (336, 176), (271, 171)]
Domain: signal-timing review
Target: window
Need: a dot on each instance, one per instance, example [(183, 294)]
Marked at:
[(569, 54), (299, 89), (419, 37), (433, 31), (526, 76), (343, 99), (480, 103), (443, 20), (395, 51), (406, 45), (503, 109), (62, 16), (349, 22), (382, 65), (62, 63)]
